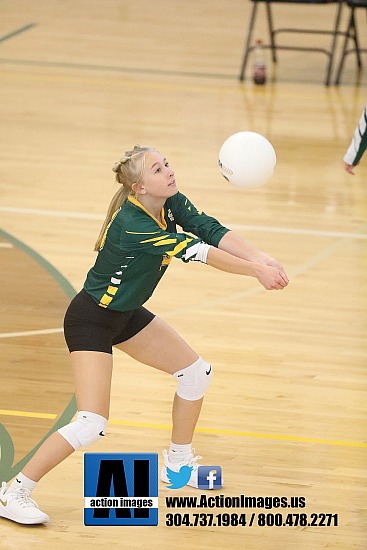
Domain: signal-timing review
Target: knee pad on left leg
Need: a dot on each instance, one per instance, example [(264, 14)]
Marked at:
[(87, 428), (193, 381)]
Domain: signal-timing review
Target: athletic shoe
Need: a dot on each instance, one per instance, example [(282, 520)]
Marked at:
[(177, 477), (18, 506)]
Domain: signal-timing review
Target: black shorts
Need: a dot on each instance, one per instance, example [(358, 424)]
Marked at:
[(89, 327)]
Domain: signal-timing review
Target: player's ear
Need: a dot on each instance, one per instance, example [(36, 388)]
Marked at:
[(138, 189)]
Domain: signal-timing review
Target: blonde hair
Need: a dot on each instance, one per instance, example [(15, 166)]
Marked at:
[(128, 170)]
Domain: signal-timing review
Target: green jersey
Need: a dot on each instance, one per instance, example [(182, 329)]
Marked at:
[(137, 249)]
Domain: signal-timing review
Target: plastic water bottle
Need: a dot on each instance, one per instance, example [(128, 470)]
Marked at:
[(259, 63)]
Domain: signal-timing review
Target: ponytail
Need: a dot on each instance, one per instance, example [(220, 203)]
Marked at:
[(129, 169), (117, 201)]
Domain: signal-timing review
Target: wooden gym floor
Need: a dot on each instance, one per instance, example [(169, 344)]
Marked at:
[(286, 414)]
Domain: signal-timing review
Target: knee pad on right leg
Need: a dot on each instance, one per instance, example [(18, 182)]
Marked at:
[(193, 381), (85, 430)]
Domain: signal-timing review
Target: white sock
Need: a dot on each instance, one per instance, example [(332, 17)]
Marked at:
[(179, 452), (23, 481)]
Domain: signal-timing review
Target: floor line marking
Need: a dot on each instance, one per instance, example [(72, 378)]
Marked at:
[(27, 414), (17, 31), (116, 69), (240, 433), (231, 77), (242, 227), (31, 332), (52, 213), (236, 433), (295, 231)]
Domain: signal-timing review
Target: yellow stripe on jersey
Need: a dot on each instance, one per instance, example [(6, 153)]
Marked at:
[(179, 247), (142, 233), (105, 300), (154, 239), (166, 241), (112, 290)]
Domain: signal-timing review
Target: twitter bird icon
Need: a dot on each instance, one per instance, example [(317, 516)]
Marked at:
[(179, 479)]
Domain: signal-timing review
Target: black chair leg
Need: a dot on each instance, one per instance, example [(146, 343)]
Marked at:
[(333, 45), (271, 32), (342, 57), (356, 40), (351, 33), (248, 48)]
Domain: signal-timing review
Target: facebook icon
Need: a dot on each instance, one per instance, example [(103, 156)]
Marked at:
[(209, 477)]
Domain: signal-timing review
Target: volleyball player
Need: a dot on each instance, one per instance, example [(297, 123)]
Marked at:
[(137, 242)]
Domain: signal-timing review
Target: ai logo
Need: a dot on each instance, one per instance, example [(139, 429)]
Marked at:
[(120, 489)]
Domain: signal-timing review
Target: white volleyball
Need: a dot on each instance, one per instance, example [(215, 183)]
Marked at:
[(247, 159)]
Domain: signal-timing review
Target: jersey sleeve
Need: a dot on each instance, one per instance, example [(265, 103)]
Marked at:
[(359, 141), (196, 221)]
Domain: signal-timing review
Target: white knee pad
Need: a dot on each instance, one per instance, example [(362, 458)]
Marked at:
[(194, 380), (85, 430)]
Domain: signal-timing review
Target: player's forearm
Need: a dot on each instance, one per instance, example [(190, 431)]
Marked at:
[(225, 261), (271, 277), (233, 244)]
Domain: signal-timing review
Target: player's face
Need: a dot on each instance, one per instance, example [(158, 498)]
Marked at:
[(158, 177)]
